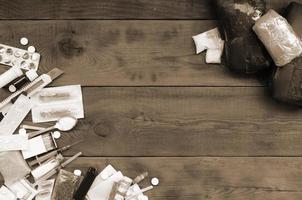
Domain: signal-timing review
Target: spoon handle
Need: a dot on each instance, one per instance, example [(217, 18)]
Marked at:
[(36, 133)]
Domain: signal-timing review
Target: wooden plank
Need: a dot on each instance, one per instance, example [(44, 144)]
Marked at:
[(122, 53), (185, 121), (106, 9), (114, 9), (211, 178)]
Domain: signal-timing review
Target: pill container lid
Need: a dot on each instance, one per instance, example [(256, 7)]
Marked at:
[(12, 88), (31, 74)]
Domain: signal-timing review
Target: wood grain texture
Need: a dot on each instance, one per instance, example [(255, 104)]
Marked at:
[(114, 9), (211, 178), (106, 9), (184, 121), (122, 53)]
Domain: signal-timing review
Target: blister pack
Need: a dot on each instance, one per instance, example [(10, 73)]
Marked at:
[(13, 56)]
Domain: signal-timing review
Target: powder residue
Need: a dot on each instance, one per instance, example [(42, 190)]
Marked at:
[(244, 8)]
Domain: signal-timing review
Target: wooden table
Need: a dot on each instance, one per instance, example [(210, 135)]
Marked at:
[(152, 105)]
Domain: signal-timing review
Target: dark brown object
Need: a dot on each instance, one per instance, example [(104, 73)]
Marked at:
[(287, 81), (243, 53)]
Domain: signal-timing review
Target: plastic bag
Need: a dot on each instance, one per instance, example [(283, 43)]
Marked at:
[(278, 37), (54, 103), (13, 167), (212, 42), (45, 189), (65, 185), (24, 190)]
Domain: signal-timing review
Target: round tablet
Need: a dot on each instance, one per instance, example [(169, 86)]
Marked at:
[(31, 49), (77, 172), (12, 88), (17, 54), (155, 181), (56, 134), (22, 131), (24, 41)]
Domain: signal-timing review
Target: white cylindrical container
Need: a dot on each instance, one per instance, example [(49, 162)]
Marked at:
[(10, 75)]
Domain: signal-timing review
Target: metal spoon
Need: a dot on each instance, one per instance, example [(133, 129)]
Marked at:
[(63, 124)]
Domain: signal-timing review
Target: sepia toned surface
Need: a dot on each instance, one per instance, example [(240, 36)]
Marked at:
[(152, 105)]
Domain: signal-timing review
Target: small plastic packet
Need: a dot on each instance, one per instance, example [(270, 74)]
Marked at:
[(54, 103), (13, 142), (214, 55), (13, 167), (278, 37), (53, 112), (45, 189), (212, 42), (23, 190), (65, 185), (208, 40), (6, 194)]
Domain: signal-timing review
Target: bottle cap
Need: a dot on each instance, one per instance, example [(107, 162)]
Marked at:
[(155, 181), (31, 74), (77, 172), (24, 41)]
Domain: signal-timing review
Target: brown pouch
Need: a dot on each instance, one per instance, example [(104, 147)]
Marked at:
[(287, 81), (244, 53)]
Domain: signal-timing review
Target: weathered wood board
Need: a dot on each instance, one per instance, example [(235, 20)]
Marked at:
[(211, 178), (185, 121)]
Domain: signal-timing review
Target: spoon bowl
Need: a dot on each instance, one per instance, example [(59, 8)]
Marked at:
[(66, 123)]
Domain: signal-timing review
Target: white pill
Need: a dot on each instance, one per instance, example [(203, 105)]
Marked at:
[(56, 134), (155, 181), (24, 41), (22, 131), (31, 49), (77, 172)]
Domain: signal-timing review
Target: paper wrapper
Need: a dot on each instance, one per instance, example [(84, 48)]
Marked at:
[(278, 37)]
